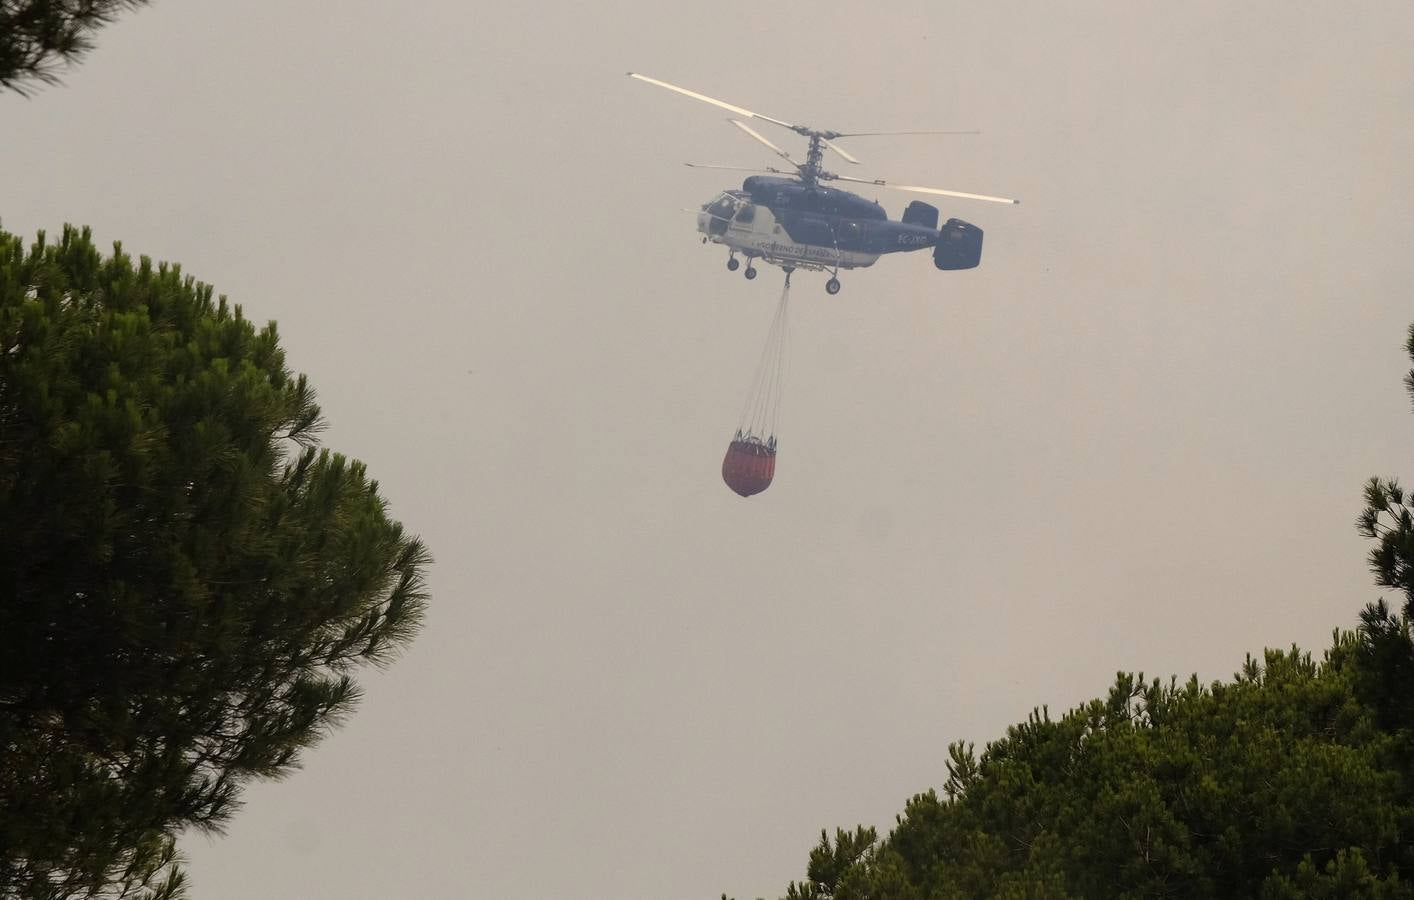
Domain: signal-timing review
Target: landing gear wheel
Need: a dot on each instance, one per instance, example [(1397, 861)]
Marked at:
[(832, 286), (733, 264), (750, 273)]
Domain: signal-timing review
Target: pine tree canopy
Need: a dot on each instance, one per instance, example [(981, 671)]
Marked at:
[(187, 581), (36, 36), (1293, 780)]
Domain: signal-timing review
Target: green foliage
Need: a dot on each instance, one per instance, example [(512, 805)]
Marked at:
[(36, 35), (1293, 780), (1388, 651), (832, 865), (1280, 780), (187, 582), (1346, 877)]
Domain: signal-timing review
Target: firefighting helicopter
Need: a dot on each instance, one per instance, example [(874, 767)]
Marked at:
[(791, 220)]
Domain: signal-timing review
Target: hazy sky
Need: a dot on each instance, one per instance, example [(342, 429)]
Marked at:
[(1134, 438)]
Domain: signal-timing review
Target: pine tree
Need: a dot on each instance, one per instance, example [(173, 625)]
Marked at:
[(1387, 649), (187, 581), (37, 35)]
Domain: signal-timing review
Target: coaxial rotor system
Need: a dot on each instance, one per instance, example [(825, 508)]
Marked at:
[(811, 171)]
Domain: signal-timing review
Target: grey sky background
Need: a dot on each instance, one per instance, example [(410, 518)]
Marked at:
[(1135, 438)]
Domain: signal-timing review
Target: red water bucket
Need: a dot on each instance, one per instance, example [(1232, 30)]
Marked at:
[(749, 465)]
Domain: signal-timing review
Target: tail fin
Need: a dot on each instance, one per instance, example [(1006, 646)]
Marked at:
[(959, 246), (920, 213)]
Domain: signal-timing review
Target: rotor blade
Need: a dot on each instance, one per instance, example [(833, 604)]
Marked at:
[(754, 133), (738, 168), (881, 133), (741, 111), (923, 190), (841, 152)]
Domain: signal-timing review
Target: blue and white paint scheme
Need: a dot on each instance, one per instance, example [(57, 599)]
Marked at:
[(754, 231), (795, 222)]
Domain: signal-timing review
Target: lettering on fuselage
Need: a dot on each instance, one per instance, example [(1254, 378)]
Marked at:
[(804, 251)]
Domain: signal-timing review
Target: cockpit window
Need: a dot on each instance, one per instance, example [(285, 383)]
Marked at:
[(723, 208), (746, 213)]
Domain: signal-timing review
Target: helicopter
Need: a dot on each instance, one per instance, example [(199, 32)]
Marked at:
[(793, 221)]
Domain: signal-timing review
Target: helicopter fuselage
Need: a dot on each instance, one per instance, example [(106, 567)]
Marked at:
[(793, 225), (755, 232)]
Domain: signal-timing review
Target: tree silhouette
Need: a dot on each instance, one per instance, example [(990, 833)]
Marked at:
[(37, 36), (187, 582)]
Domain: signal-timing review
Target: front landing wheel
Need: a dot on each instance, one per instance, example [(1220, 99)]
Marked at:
[(750, 273), (832, 286), (733, 264)]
